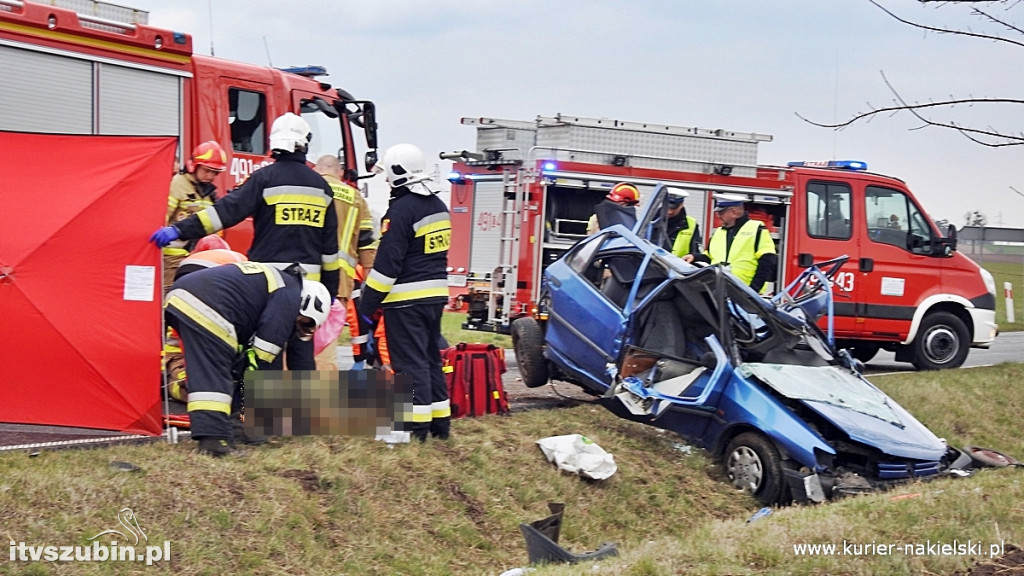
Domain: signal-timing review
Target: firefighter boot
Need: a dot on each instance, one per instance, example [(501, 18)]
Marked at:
[(218, 447), (241, 434), (440, 428)]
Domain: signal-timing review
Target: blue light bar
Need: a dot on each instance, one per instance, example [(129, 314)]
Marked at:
[(847, 164), (549, 166), (454, 176), (307, 71)]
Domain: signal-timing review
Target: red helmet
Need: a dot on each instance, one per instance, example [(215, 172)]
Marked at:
[(208, 154), (624, 193), (211, 242)]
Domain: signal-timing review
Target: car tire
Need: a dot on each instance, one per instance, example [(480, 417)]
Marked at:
[(528, 344), (753, 464), (864, 352), (942, 342)]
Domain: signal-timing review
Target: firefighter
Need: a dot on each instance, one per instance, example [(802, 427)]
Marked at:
[(683, 231), (618, 207), (742, 243), (192, 190), (356, 242), (292, 219), (409, 281), (232, 312)]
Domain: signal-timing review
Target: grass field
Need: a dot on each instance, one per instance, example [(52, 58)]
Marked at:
[(1014, 274), (350, 505)]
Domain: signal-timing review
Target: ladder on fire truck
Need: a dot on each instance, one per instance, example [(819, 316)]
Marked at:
[(505, 278)]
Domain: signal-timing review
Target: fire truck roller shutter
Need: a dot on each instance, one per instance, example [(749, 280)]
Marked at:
[(485, 246)]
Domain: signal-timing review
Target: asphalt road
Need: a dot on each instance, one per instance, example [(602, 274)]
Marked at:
[(1008, 347)]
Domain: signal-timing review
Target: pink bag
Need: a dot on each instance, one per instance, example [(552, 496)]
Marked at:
[(329, 331)]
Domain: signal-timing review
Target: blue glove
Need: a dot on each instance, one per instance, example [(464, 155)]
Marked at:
[(165, 236)]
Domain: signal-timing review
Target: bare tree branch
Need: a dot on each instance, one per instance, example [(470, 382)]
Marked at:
[(947, 30), (986, 137), (969, 133)]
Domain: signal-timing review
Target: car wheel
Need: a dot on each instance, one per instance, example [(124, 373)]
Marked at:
[(753, 464), (942, 342), (864, 352), (528, 343)]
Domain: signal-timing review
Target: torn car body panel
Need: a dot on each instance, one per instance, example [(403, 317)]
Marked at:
[(694, 350)]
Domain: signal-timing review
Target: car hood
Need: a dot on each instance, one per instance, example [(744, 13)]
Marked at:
[(855, 406)]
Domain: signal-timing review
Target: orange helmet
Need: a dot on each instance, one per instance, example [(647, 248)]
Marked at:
[(208, 154), (624, 193)]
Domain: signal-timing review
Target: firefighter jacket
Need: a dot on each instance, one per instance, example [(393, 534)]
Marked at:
[(683, 234), (747, 247), (291, 217), (247, 305), (186, 197), (412, 259), (356, 242), (608, 213)]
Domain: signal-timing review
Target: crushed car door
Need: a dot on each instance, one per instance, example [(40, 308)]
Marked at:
[(586, 319)]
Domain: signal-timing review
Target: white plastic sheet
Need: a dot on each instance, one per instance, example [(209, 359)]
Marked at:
[(578, 454)]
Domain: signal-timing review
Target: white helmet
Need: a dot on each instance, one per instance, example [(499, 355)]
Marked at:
[(403, 165), (315, 303), (290, 133)]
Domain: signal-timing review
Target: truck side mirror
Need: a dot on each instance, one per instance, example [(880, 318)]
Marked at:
[(371, 160), (951, 234)]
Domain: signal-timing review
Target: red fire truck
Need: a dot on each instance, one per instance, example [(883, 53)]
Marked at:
[(88, 67), (525, 195)]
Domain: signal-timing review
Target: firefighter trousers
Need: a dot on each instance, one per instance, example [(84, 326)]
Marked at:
[(413, 333), (208, 361)]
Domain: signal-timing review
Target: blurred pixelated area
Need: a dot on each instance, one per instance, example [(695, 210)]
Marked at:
[(312, 403)]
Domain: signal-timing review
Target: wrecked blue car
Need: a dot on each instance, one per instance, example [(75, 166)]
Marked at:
[(693, 350)]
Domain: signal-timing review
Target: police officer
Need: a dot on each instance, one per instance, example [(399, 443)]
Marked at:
[(618, 207), (293, 220), (221, 314), (409, 281), (742, 243), (683, 231)]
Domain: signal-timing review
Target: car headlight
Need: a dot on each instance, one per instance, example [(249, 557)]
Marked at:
[(990, 281)]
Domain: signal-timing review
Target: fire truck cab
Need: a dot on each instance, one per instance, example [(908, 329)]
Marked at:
[(89, 67), (524, 196)]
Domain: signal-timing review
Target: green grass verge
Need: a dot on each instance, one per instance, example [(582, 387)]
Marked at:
[(1014, 274), (349, 505)]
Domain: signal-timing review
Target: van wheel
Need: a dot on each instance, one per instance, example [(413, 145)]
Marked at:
[(753, 464), (941, 343), (864, 352), (528, 343)]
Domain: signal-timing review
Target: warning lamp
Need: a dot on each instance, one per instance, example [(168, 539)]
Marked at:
[(846, 164), (456, 177), (549, 166)]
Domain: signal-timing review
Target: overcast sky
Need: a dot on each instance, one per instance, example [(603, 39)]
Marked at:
[(732, 64)]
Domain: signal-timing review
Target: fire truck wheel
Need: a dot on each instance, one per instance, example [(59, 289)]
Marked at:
[(528, 343), (864, 352), (942, 342)]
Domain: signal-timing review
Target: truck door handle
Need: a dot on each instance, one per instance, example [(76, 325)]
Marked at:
[(805, 260), (866, 264)]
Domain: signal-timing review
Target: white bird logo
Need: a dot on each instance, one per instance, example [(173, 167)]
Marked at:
[(127, 519)]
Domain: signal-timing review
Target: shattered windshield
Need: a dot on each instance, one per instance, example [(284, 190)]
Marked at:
[(827, 384)]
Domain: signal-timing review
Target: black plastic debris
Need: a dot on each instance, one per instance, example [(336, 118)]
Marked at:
[(121, 466), (542, 541)]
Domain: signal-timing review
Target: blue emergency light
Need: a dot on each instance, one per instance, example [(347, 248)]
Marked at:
[(456, 177), (847, 164), (549, 167)]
